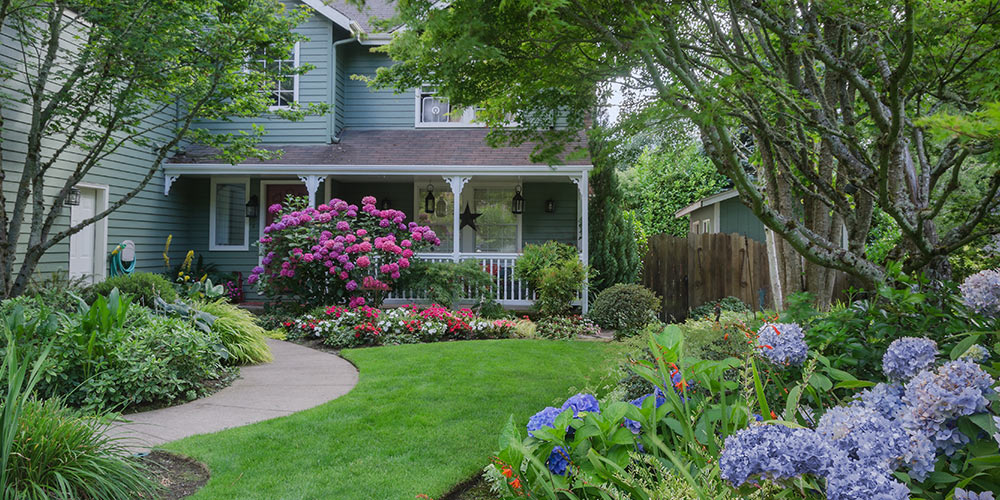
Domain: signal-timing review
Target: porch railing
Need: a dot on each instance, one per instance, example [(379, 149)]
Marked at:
[(509, 290)]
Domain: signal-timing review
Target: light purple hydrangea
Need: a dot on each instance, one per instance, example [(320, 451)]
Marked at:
[(887, 399), (981, 292), (937, 398), (865, 435), (908, 356), (782, 343), (854, 480), (777, 452), (961, 494)]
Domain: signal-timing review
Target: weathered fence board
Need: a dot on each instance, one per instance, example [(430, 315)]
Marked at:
[(687, 272)]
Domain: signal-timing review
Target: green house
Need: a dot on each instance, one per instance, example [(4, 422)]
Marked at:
[(410, 150)]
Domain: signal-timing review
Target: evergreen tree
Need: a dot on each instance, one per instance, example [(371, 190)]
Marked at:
[(614, 254)]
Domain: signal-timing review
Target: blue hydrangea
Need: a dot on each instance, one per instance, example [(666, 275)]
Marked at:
[(852, 480), (544, 418), (887, 399), (961, 494), (558, 461), (981, 292), (907, 357), (937, 398), (782, 343), (634, 426), (976, 353), (777, 452), (581, 402), (865, 435)]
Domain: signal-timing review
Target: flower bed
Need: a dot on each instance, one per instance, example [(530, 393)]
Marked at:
[(345, 327)]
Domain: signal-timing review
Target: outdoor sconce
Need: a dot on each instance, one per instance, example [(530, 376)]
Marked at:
[(517, 204), (550, 206), (73, 197), (429, 200), (385, 204), (252, 207)]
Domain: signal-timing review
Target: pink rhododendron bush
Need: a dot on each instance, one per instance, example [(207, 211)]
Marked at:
[(336, 253)]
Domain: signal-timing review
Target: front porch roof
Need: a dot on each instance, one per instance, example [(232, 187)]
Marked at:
[(458, 147)]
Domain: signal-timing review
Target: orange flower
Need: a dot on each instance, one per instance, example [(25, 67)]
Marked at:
[(775, 417), (507, 472), (516, 483)]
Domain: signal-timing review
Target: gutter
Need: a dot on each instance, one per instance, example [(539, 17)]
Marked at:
[(334, 88)]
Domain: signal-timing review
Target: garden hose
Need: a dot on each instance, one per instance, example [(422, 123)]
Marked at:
[(116, 267)]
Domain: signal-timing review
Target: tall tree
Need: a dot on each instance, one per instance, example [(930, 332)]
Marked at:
[(614, 252), (94, 77), (816, 110)]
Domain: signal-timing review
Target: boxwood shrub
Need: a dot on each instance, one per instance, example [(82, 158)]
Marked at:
[(625, 308)]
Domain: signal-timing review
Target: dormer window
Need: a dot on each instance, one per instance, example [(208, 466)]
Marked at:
[(283, 90), (435, 111)]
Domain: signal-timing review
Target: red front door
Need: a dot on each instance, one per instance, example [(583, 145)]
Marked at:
[(276, 193)]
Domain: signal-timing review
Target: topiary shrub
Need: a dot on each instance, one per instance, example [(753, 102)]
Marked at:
[(143, 287), (554, 271), (625, 308)]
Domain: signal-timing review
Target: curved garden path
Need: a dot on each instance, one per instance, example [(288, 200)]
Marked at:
[(299, 378)]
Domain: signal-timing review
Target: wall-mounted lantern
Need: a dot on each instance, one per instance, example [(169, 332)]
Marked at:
[(550, 205), (73, 197), (517, 203), (429, 200), (253, 207)]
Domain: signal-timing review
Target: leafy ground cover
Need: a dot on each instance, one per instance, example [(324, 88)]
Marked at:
[(422, 419)]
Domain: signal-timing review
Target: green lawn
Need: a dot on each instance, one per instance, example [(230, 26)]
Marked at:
[(423, 418)]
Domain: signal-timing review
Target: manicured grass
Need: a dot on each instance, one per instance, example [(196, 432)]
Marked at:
[(423, 418)]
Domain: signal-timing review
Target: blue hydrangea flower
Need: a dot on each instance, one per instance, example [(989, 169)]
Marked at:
[(782, 343), (961, 494), (777, 452), (582, 402), (852, 480), (865, 435), (558, 461), (544, 418), (907, 357), (976, 353), (981, 292), (634, 426), (937, 398), (887, 399)]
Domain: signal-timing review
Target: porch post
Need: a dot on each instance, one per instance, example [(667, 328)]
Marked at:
[(456, 183), (583, 183), (312, 184)]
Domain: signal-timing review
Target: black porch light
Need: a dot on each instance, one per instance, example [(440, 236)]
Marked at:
[(385, 204), (253, 206), (73, 196), (550, 205), (429, 200), (517, 203)]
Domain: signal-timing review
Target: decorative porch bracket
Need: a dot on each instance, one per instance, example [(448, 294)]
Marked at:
[(312, 185), (457, 183), (583, 185), (168, 180)]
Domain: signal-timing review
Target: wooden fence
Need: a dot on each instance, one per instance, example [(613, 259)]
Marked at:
[(687, 272)]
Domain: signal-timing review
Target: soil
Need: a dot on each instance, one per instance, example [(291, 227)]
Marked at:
[(474, 488), (179, 476)]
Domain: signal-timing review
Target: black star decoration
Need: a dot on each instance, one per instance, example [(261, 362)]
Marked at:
[(468, 218)]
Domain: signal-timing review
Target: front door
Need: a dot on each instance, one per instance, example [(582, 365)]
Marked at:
[(83, 245), (276, 193)]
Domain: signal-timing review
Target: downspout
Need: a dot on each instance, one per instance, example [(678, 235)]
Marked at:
[(332, 120)]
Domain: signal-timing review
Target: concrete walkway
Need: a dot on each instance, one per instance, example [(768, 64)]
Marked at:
[(299, 378)]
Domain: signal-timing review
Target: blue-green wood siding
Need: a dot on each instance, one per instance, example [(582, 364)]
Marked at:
[(399, 193), (193, 194), (538, 226), (735, 217), (365, 108)]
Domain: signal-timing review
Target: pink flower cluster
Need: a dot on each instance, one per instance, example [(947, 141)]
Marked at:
[(337, 245)]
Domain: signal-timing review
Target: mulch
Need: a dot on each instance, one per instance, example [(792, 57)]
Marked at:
[(178, 476)]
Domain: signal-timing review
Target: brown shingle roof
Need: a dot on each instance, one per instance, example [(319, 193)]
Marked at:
[(394, 147), (379, 9)]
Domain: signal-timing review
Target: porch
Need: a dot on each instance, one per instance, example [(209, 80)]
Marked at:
[(470, 208)]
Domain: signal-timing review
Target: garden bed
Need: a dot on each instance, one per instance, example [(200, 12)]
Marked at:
[(178, 476)]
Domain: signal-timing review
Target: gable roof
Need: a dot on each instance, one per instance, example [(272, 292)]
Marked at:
[(436, 147), (343, 13), (707, 201)]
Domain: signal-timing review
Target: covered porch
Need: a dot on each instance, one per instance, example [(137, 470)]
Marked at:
[(504, 207)]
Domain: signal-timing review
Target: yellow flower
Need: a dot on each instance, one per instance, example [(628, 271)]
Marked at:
[(203, 277)]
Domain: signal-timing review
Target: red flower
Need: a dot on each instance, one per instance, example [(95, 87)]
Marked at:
[(507, 472), (516, 483)]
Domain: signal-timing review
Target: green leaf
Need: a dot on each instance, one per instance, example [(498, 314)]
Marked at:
[(854, 384), (839, 374), (820, 382), (509, 434), (963, 346), (759, 387), (792, 402)]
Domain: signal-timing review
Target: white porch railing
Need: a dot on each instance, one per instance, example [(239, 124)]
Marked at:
[(509, 290)]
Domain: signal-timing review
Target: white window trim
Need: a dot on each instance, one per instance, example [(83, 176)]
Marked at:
[(295, 80), (263, 200), (468, 192), (211, 216), (420, 124)]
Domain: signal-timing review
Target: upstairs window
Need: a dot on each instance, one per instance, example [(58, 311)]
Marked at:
[(283, 90), (435, 111)]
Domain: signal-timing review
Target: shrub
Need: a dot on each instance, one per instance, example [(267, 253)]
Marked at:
[(448, 283), (565, 327), (366, 326), (238, 331), (626, 308), (554, 271), (143, 287), (337, 252), (707, 310), (614, 254)]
